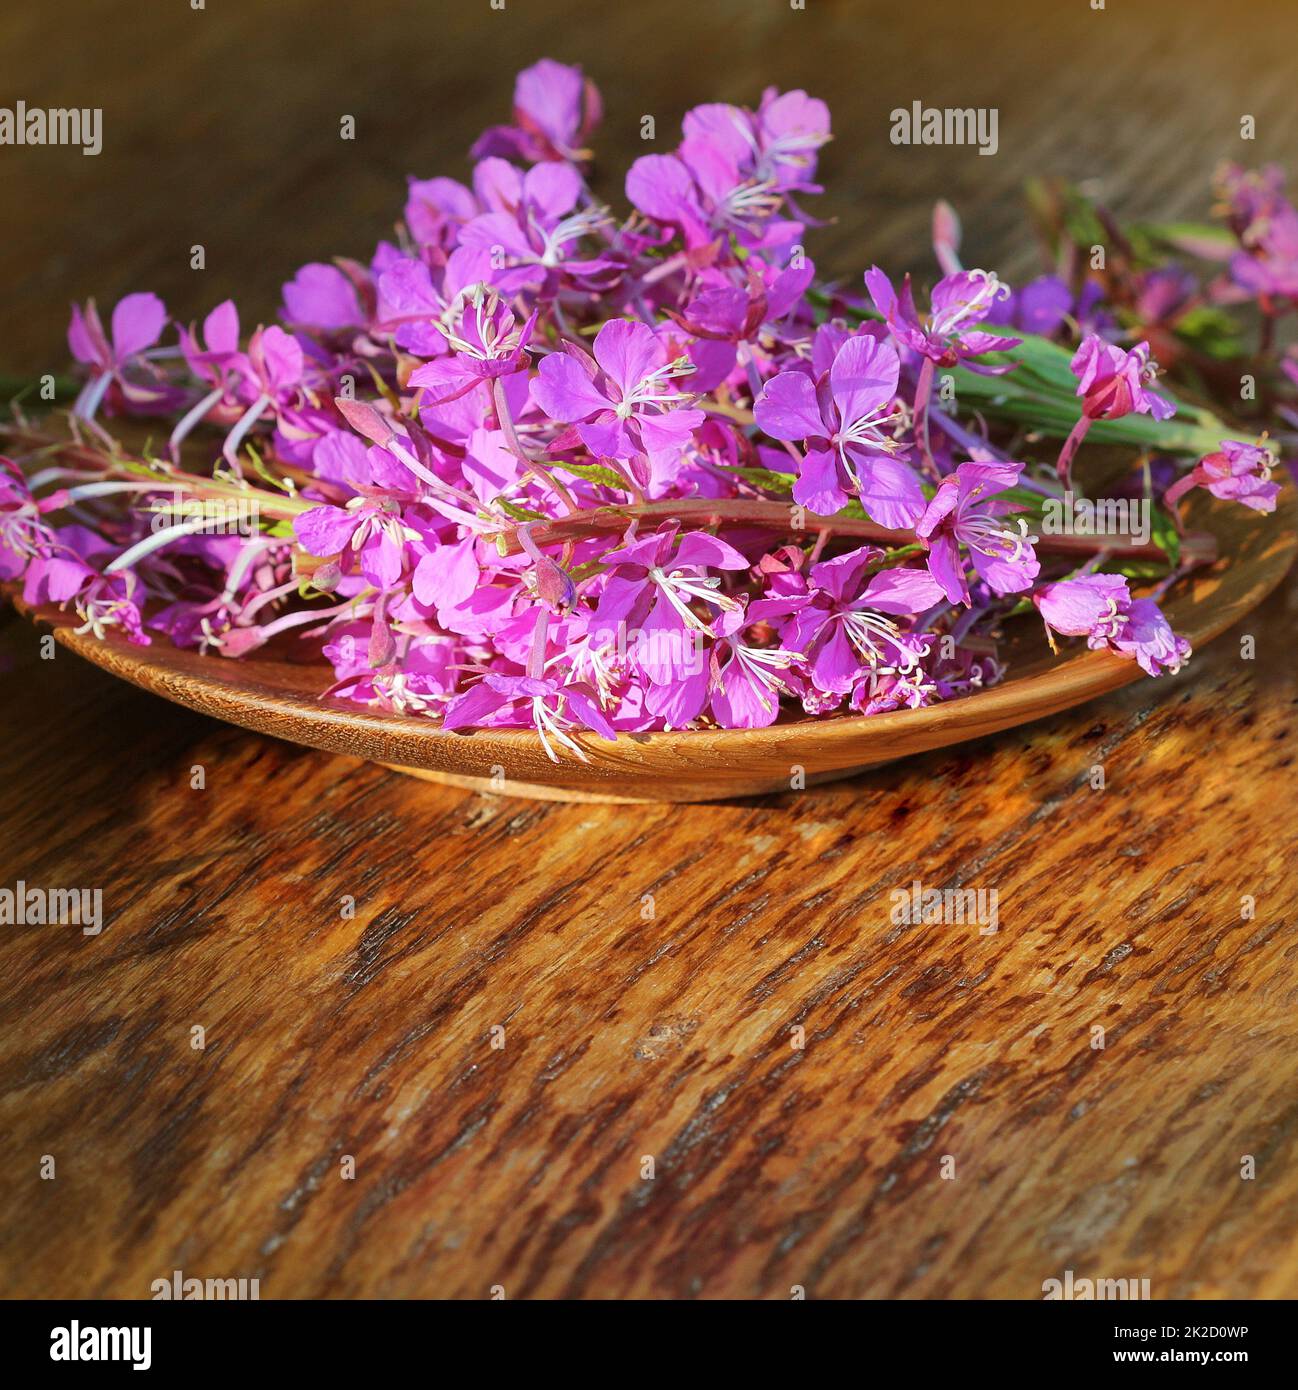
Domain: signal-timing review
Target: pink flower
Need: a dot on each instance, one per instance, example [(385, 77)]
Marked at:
[(844, 627), (723, 316), (1113, 383), (369, 534), (963, 512), (554, 708), (121, 361), (777, 144), (748, 679), (734, 171), (71, 572), (1100, 608), (412, 305), (662, 187), (653, 581), (487, 341), (556, 111), (321, 296), (843, 417), (215, 358), (959, 303), (534, 221), (275, 367), (1266, 222), (626, 406), (1237, 472), (23, 532), (436, 209)]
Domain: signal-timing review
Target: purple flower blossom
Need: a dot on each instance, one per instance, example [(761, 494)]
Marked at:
[(705, 195), (486, 341), (843, 627), (965, 511), (958, 304), (369, 533), (534, 221), (722, 316), (1163, 294), (1266, 223), (624, 403), (215, 357), (412, 306), (662, 187), (554, 708), (556, 111), (656, 582), (435, 211), (734, 171), (422, 684), (120, 361), (1100, 608), (844, 418), (1271, 270), (776, 145), (321, 296), (276, 367), (1113, 382), (1237, 472), (70, 572), (727, 313), (748, 679), (23, 532), (1252, 197)]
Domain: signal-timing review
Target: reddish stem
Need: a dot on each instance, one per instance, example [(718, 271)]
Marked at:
[(779, 517), (1065, 465), (923, 395)]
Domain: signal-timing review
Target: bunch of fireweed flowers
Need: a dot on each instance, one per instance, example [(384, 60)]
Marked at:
[(548, 463)]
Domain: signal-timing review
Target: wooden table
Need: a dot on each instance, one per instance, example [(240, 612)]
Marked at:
[(465, 1083)]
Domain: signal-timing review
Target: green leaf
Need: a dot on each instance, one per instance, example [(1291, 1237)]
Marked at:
[(1166, 537), (1206, 240), (141, 470), (594, 473), (1212, 331), (262, 471), (512, 509), (765, 477), (898, 555), (1041, 392), (1137, 569)]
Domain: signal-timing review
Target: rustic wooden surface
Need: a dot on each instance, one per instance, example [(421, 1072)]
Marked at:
[(627, 1037)]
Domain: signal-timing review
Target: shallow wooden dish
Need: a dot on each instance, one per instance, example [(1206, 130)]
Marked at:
[(277, 696)]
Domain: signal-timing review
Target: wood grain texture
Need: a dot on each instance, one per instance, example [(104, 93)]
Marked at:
[(370, 1036)]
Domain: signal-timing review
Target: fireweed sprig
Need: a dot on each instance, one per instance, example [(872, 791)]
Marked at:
[(540, 463)]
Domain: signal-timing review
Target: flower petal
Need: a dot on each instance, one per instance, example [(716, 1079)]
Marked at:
[(324, 530), (787, 408), (138, 321), (565, 391)]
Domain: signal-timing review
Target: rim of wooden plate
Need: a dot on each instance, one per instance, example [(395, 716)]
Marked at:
[(276, 696)]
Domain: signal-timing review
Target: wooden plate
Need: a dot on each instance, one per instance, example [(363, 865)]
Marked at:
[(276, 696)]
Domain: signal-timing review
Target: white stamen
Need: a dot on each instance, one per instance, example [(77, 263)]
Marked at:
[(952, 318)]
